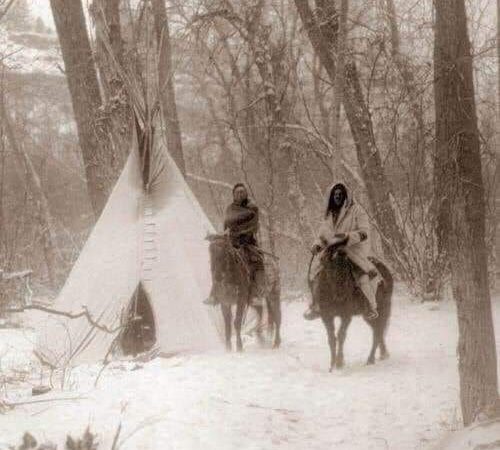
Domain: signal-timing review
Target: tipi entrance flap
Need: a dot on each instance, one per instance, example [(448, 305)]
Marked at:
[(139, 325)]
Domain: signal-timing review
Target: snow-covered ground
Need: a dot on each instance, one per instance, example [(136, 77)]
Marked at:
[(262, 398), (30, 52)]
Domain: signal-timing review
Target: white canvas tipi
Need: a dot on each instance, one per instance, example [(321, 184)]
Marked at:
[(148, 243)]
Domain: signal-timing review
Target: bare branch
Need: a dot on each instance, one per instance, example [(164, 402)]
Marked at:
[(7, 8), (84, 313)]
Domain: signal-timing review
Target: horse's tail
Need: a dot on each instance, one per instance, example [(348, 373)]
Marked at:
[(388, 279)]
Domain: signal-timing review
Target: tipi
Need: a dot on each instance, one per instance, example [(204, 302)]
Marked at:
[(146, 256)]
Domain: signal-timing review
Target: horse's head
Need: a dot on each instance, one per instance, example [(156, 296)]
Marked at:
[(225, 259), (338, 262), (338, 280), (219, 245), (229, 271)]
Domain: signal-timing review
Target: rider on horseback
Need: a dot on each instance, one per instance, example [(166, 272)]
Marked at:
[(241, 223), (346, 227)]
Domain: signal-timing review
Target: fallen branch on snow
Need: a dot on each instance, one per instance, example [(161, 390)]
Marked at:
[(46, 400), (84, 313)]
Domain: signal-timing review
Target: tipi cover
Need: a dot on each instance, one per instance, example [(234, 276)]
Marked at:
[(156, 239)]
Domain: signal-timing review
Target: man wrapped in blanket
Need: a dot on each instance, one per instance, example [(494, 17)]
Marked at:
[(241, 223)]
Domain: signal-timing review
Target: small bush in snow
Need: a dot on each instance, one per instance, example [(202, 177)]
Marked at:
[(87, 442)]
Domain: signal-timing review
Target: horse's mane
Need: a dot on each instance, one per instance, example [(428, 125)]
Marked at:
[(226, 255), (338, 273)]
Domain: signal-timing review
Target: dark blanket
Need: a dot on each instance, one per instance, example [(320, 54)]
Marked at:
[(242, 223)]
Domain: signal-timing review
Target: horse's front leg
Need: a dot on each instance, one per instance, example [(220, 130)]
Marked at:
[(258, 328), (274, 308), (238, 321), (328, 321), (375, 341), (384, 354), (344, 325), (228, 316)]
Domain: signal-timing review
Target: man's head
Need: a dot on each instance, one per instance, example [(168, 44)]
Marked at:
[(240, 194), (338, 196)]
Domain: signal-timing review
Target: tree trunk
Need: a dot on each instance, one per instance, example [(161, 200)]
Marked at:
[(111, 9), (106, 16), (2, 189), (110, 45), (101, 163), (340, 72), (322, 29), (407, 75), (458, 147), (166, 83), (497, 170), (319, 98), (47, 226)]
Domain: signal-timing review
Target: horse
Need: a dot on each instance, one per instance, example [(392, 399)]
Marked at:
[(232, 285), (335, 289)]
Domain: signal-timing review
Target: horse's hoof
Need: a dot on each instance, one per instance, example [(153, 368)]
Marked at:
[(370, 362), (339, 364), (276, 344), (384, 356), (332, 368)]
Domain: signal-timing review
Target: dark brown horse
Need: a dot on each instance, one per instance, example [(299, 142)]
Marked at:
[(232, 286), (334, 288)]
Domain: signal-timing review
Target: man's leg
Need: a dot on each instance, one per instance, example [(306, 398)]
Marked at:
[(254, 261), (369, 288), (257, 280), (313, 312)]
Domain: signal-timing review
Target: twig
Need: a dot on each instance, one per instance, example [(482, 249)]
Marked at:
[(281, 410), (45, 400), (84, 313), (209, 181), (114, 446), (257, 406)]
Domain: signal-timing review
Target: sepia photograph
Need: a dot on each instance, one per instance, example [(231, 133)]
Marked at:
[(249, 224)]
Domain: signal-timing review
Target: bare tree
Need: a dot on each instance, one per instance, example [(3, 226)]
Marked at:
[(458, 162), (340, 69), (497, 171), (6, 5), (166, 83), (46, 222), (260, 99), (322, 27), (116, 104), (101, 161)]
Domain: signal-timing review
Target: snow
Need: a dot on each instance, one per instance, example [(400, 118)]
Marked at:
[(262, 398), (41, 8), (30, 52), (482, 436)]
